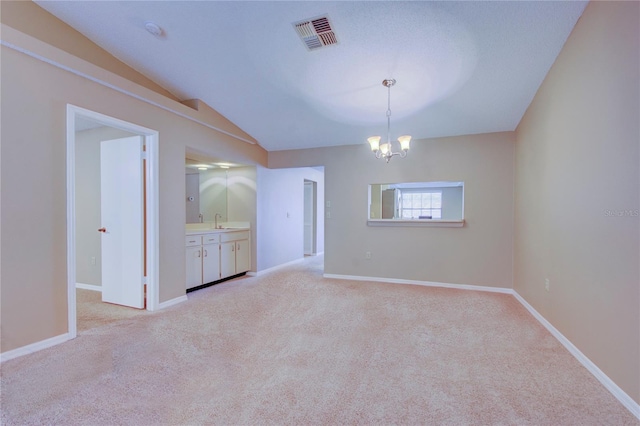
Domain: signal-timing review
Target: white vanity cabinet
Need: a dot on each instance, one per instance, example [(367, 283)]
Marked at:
[(194, 260), (203, 259), (214, 256), (234, 253), (210, 258), (243, 260)]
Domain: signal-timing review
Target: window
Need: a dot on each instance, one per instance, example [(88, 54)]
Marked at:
[(419, 204)]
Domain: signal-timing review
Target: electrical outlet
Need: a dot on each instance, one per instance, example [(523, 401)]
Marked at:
[(546, 284), (367, 255), (328, 204), (93, 260), (328, 215)]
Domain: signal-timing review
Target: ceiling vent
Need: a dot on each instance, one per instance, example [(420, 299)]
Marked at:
[(316, 32)]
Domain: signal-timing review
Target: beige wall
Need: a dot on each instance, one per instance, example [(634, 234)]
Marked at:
[(480, 253), (577, 162), (33, 271)]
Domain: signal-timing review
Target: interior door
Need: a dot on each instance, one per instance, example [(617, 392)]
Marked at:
[(308, 218), (121, 186)]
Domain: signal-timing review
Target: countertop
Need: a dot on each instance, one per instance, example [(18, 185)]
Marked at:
[(201, 231), (209, 228)]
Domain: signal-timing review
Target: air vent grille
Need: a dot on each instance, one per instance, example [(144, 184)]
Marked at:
[(316, 33), (321, 25)]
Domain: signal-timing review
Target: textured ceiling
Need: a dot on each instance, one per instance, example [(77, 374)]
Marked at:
[(461, 67)]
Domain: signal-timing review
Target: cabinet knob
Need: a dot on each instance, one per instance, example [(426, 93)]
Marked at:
[(205, 253), (102, 230), (198, 253)]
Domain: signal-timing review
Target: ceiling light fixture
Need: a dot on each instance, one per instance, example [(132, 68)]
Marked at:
[(153, 28), (385, 151)]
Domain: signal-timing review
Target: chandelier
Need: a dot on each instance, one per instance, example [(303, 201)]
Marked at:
[(385, 150)]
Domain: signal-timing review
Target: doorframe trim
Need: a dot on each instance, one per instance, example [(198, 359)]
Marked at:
[(151, 142)]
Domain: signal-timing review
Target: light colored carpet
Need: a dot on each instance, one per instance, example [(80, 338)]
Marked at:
[(91, 312), (291, 347)]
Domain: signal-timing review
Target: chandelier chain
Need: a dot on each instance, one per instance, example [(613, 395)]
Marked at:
[(389, 114)]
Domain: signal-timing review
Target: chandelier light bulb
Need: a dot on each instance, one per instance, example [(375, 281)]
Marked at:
[(405, 142), (374, 142)]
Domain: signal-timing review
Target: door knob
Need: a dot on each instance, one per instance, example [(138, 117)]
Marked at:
[(102, 230)]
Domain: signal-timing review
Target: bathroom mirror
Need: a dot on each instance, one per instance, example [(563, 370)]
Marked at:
[(206, 195), (206, 190), (416, 201)]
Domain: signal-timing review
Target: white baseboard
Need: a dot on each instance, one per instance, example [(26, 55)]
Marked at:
[(34, 347), (274, 268), (173, 302), (609, 384), (89, 287), (423, 283)]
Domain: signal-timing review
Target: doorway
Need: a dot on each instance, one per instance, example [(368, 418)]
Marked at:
[(148, 200), (310, 217)]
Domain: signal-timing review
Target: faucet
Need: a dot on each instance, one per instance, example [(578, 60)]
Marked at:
[(215, 218), (201, 217)]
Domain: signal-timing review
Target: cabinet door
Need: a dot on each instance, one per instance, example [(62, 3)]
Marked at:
[(227, 259), (242, 256), (210, 263), (194, 266)]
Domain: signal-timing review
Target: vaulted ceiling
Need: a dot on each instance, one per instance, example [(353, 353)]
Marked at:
[(462, 67)]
